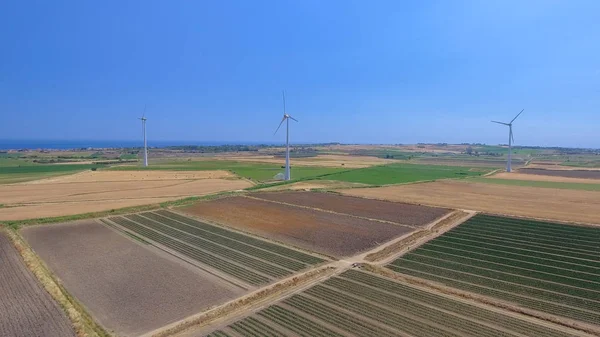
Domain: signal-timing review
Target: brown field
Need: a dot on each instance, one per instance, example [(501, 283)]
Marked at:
[(323, 232), (314, 184), (582, 174), (113, 176), (320, 160), (559, 167), (406, 214), (535, 177), (26, 309), (544, 203), (492, 163), (55, 198), (129, 289)]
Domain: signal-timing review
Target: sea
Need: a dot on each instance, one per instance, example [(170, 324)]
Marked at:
[(12, 144)]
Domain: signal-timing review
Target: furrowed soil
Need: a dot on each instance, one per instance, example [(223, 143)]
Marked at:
[(128, 288), (112, 190), (327, 233), (544, 203), (535, 177), (407, 214), (26, 309), (583, 174)]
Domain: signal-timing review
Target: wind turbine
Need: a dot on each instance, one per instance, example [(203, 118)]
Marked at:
[(511, 139), (286, 119), (143, 119)]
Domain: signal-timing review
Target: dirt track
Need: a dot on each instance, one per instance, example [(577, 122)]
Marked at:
[(545, 203), (128, 288), (56, 198), (26, 309), (585, 174), (407, 214), (327, 233)]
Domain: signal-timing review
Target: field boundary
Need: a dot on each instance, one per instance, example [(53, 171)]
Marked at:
[(403, 245), (245, 304), (482, 299), (82, 322)]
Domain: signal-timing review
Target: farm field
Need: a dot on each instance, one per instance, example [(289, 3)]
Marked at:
[(16, 171), (405, 173), (122, 176), (573, 173), (323, 232), (594, 186), (548, 267), (556, 204), (407, 214), (321, 160), (544, 178), (67, 195), (357, 303), (312, 184), (462, 161), (121, 282), (26, 309), (222, 252), (250, 170)]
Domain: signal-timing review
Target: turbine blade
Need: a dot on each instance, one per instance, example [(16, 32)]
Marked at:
[(517, 116), (283, 94), (292, 118), (500, 123), (144, 114), (283, 120)]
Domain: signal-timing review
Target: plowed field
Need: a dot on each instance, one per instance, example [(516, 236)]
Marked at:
[(128, 288), (583, 174), (26, 309), (323, 232), (407, 214)]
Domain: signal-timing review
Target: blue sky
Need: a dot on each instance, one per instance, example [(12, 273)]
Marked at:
[(353, 71)]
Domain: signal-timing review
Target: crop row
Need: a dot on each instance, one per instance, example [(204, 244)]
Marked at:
[(384, 290), (231, 243), (550, 249), (296, 323), (274, 248), (491, 290), (546, 227), (537, 253), (465, 249), (525, 235), (194, 253), (212, 248), (578, 298), (555, 242), (425, 255)]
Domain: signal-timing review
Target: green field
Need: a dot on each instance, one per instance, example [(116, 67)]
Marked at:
[(404, 173), (363, 304), (18, 170), (253, 171), (549, 267), (544, 184)]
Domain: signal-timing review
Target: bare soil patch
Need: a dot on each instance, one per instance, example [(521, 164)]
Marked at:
[(544, 203), (111, 176), (402, 213), (57, 199), (26, 309), (323, 232), (314, 184), (584, 174), (535, 177), (128, 288)]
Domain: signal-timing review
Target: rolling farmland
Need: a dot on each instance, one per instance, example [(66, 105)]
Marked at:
[(548, 267), (362, 304), (253, 261), (26, 309)]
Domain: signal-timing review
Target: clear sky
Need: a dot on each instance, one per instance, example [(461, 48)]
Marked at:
[(354, 71)]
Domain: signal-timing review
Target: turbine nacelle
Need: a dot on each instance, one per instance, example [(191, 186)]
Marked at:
[(511, 139)]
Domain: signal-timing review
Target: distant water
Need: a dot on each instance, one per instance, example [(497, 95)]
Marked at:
[(96, 144)]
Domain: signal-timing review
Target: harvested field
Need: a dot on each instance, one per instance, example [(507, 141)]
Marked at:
[(358, 303), (548, 267), (26, 309), (313, 184), (147, 175), (253, 261), (544, 203), (128, 288), (407, 214), (582, 174), (28, 201), (536, 177), (331, 234), (492, 163), (320, 160)]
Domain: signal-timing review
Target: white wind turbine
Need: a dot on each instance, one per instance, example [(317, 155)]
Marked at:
[(143, 119), (511, 139), (286, 119)]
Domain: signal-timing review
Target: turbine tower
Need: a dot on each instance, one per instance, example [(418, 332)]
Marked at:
[(143, 119), (511, 139), (286, 119)]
